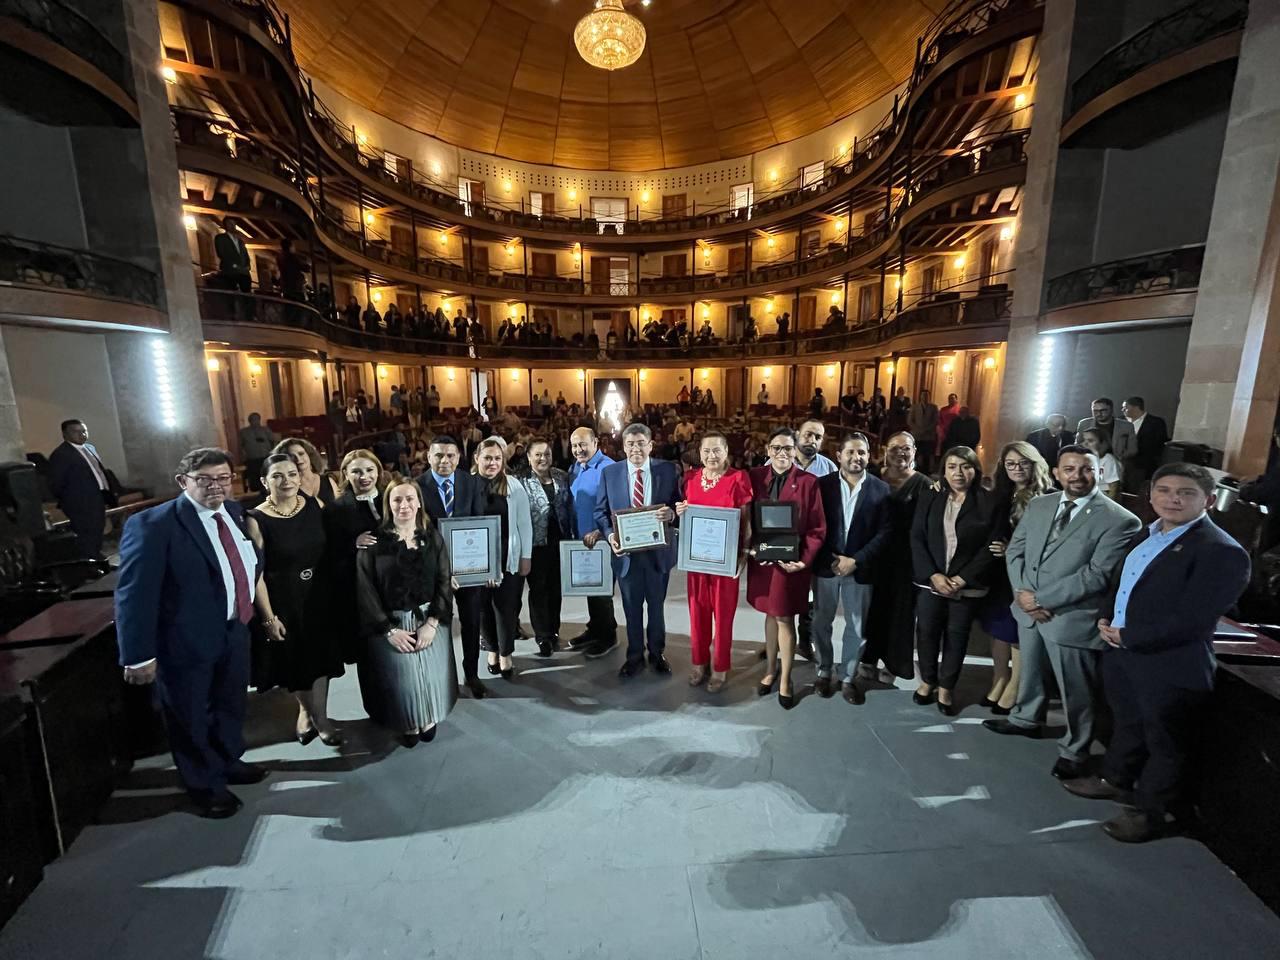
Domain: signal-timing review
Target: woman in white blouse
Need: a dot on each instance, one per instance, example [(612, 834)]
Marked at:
[(500, 601), (1110, 473)]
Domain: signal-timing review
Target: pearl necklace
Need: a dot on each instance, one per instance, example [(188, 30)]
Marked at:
[(299, 502), (702, 479)]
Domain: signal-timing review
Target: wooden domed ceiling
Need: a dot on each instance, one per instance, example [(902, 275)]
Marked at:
[(718, 78)]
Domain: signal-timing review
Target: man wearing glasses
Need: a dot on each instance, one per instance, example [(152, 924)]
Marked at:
[(188, 576)]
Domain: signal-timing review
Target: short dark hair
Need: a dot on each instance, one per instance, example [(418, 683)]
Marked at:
[(444, 440), (1136, 402), (534, 441), (1192, 471), (855, 435), (69, 423), (968, 455), (783, 432), (1105, 400), (1078, 448), (271, 461), (204, 457), (637, 427)]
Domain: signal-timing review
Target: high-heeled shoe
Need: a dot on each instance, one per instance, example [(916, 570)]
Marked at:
[(786, 700), (306, 736), (494, 669), (923, 699), (426, 736), (948, 709), (408, 740), (987, 703), (334, 739), (764, 689), (508, 673), (1000, 711)]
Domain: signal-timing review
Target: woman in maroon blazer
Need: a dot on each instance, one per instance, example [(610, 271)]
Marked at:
[(780, 590)]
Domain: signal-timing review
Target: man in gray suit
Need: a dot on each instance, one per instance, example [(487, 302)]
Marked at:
[(1124, 441), (1060, 562)]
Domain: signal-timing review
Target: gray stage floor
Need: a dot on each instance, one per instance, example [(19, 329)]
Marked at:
[(575, 817)]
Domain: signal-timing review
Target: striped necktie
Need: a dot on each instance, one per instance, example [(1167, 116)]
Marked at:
[(637, 490), (448, 498)]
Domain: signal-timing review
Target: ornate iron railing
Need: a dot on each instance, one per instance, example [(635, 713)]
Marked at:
[(1185, 28), (35, 264), (72, 29), (1164, 271)]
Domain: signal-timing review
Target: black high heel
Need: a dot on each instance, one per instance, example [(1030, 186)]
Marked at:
[(948, 709), (1000, 711), (764, 689), (332, 739), (307, 735), (923, 700), (494, 669), (987, 703), (426, 736), (786, 700), (408, 740)]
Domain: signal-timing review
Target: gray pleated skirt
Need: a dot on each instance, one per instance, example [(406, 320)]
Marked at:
[(406, 691)]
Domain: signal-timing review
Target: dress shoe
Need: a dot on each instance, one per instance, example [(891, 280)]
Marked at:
[(660, 665), (923, 699), (306, 736), (717, 682), (477, 688), (1066, 769), (426, 736), (867, 671), (987, 703), (218, 806), (1135, 826), (545, 648), (786, 700), (698, 675), (824, 687), (764, 689), (630, 669), (1009, 728), (601, 648), (1000, 711), (1097, 788), (583, 640), (852, 693), (948, 709), (493, 668), (241, 773), (408, 740), (334, 739), (805, 650)]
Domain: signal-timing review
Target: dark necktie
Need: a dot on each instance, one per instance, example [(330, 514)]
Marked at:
[(775, 488), (1060, 524), (244, 608), (448, 498)]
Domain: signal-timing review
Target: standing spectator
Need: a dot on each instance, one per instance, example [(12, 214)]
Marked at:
[(256, 442), (762, 398), (545, 403), (1060, 563), (784, 325), (1124, 442), (922, 421), (1110, 474), (82, 484), (1051, 438), (183, 603), (713, 599), (292, 269), (817, 403), (1151, 434), (504, 497), (848, 406), (899, 411), (640, 481), (683, 396), (1158, 623), (780, 590), (856, 508), (945, 416), (372, 319), (963, 431), (416, 406), (810, 436), (433, 403), (233, 257), (589, 462), (951, 558), (550, 510), (351, 313), (396, 403)]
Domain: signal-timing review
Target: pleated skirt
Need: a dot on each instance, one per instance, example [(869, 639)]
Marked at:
[(407, 691)]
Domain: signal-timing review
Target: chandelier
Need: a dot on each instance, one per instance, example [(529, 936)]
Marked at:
[(608, 37)]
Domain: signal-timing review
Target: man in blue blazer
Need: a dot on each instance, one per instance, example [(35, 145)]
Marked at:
[(188, 574), (1178, 578), (640, 481), (856, 506)]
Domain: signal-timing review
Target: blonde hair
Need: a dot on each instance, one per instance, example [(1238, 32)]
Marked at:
[(361, 454), (1037, 484), (498, 485)]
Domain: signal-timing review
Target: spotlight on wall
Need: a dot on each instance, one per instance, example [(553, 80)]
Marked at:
[(959, 262), (189, 221), (368, 219), (255, 368), (164, 386), (1006, 233), (382, 372), (765, 372), (582, 375), (212, 364), (317, 370), (1020, 101), (1044, 368), (989, 363), (170, 75)]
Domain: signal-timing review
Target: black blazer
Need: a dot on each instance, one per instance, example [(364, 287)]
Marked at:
[(1050, 446), (468, 495), (1151, 440), (865, 537), (233, 255), (1174, 607), (386, 581), (976, 527), (72, 481)]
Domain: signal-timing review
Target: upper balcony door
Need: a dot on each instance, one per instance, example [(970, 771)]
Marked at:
[(542, 204), (470, 192), (610, 276), (610, 210), (675, 265), (674, 205), (543, 264), (741, 198), (811, 176)]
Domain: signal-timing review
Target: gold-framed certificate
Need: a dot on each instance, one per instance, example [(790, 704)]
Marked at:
[(640, 528), (475, 554)]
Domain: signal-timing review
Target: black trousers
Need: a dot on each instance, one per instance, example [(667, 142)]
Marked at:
[(203, 705), (1154, 735), (499, 612), (942, 627), (87, 521), (470, 604), (544, 591), (602, 622)]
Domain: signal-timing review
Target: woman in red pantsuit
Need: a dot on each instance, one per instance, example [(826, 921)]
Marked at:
[(780, 590), (713, 597)]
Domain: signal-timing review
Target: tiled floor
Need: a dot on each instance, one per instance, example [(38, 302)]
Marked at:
[(572, 816)]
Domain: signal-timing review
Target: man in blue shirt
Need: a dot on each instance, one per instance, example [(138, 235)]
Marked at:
[(1179, 577), (601, 634)]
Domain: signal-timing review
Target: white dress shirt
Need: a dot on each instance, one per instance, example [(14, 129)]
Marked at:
[(95, 464), (1137, 424), (849, 498), (1081, 503), (646, 469)]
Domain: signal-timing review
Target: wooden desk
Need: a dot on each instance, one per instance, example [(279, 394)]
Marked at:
[(102, 587), (21, 857)]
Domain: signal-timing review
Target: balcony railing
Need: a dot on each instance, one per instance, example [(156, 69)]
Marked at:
[(1164, 271), (35, 264), (1185, 28), (71, 29)]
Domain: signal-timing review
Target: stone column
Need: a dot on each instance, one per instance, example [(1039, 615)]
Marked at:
[(12, 448), (1232, 379), (151, 447)]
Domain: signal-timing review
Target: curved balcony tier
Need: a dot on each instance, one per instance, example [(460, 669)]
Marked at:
[(927, 117), (1147, 290)]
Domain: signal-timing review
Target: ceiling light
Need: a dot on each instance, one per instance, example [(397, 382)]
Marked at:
[(608, 37)]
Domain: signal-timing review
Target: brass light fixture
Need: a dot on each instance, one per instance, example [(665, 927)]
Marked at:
[(608, 37)]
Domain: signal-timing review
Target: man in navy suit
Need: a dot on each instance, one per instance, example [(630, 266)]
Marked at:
[(82, 484), (188, 574), (856, 506), (450, 492), (640, 481), (1179, 577)]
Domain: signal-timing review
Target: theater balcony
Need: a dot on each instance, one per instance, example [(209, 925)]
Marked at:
[(1180, 67), (1153, 289), (47, 284), (61, 68)]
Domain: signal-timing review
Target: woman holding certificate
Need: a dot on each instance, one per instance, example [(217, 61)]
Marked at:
[(405, 598), (714, 599), (504, 497), (780, 589)]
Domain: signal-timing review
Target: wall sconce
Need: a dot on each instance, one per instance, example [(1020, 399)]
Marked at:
[(443, 238), (573, 194), (449, 372), (839, 226), (897, 284), (706, 374), (511, 249), (888, 368), (212, 364), (582, 375), (189, 221), (515, 376), (835, 298), (947, 366), (448, 307), (644, 374), (382, 372), (765, 372), (1020, 101), (706, 313), (506, 186), (377, 297), (435, 168), (773, 175), (770, 241), (644, 197), (645, 316), (361, 138), (959, 262), (989, 363), (831, 371), (843, 148), (368, 219), (1006, 232), (317, 369), (255, 368), (768, 307), (170, 75)]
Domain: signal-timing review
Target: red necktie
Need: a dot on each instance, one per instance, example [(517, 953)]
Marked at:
[(244, 608), (637, 490)]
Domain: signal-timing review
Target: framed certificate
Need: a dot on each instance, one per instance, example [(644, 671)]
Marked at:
[(475, 551), (639, 528), (585, 571), (709, 540)]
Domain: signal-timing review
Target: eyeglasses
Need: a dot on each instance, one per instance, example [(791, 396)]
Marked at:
[(775, 449), (205, 482), (1017, 464)]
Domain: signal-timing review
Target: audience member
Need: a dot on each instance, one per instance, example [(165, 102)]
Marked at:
[(1110, 474), (1124, 442), (922, 421), (1151, 433), (963, 431), (350, 525), (83, 487), (945, 416), (817, 403), (233, 257), (312, 478), (1051, 438)]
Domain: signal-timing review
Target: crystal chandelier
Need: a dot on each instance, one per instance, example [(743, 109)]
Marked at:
[(608, 37)]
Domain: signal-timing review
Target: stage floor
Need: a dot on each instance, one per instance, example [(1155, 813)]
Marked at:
[(573, 816)]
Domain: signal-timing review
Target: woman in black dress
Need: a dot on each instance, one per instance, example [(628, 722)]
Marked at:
[(291, 598), (350, 523), (311, 475)]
